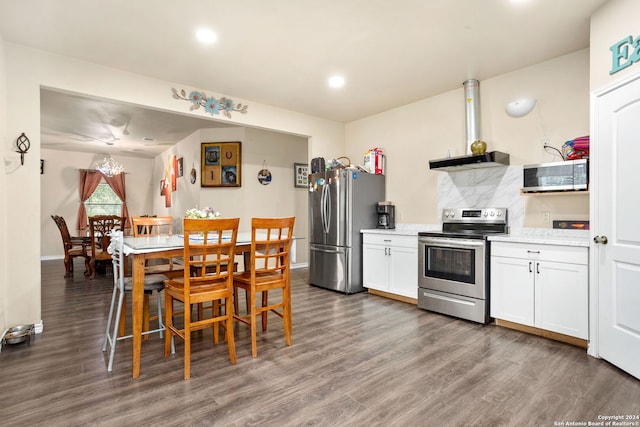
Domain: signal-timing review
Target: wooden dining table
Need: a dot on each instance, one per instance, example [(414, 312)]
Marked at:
[(143, 248)]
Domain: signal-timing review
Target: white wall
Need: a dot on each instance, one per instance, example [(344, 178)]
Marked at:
[(60, 192), (412, 135), (21, 285), (26, 71), (60, 196), (278, 199), (3, 190), (614, 21)]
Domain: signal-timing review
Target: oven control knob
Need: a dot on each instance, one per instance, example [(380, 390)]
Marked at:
[(485, 213), (452, 213), (493, 213), (499, 213)]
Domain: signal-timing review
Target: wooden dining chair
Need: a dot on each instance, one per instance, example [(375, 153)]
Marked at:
[(155, 226), (100, 227), (143, 227), (209, 244), (74, 247), (121, 286), (269, 271)]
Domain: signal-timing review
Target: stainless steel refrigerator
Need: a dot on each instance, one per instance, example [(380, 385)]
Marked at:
[(341, 203)]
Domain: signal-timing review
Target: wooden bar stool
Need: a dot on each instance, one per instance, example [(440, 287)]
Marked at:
[(209, 244), (270, 265)]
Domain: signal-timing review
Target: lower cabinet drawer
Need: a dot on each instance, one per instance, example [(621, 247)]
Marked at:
[(390, 240), (568, 254)]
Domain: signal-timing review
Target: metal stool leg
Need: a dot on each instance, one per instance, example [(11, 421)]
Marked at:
[(160, 322)]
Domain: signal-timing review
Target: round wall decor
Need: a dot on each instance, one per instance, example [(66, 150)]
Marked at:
[(264, 176)]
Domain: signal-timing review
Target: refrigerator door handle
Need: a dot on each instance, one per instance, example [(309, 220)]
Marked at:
[(322, 209), (326, 208), (328, 251)]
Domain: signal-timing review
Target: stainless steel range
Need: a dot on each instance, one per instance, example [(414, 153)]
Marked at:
[(453, 276)]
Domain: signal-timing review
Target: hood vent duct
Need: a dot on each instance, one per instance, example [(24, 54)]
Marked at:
[(472, 102), (472, 122)]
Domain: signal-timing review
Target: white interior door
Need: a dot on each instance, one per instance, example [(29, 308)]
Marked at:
[(615, 224)]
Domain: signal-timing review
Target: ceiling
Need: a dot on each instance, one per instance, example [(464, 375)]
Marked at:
[(281, 53), (71, 122)]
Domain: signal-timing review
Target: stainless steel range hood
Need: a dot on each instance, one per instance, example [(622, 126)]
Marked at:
[(471, 161)]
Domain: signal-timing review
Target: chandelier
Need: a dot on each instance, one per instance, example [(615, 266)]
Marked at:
[(109, 167)]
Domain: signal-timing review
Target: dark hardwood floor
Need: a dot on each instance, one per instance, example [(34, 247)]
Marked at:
[(357, 360)]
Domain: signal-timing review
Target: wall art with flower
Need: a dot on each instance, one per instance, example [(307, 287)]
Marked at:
[(213, 106)]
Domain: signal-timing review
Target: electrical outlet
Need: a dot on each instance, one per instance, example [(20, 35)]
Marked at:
[(546, 217), (545, 142)]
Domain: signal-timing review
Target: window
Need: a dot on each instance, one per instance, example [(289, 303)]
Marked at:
[(103, 201)]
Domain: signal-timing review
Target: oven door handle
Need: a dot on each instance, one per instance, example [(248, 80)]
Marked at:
[(453, 243)]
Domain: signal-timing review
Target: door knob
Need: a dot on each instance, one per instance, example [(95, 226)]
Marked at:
[(600, 239)]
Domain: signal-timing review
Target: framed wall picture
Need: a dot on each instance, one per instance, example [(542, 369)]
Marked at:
[(220, 164), (300, 174)]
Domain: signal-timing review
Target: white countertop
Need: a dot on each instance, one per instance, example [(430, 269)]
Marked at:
[(546, 236), (404, 229)]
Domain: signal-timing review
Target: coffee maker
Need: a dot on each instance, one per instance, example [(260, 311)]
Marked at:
[(386, 215)]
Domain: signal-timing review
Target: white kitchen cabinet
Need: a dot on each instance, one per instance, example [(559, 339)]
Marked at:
[(544, 286), (512, 290), (390, 263)]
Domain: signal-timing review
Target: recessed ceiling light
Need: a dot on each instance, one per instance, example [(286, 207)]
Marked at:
[(205, 35), (336, 81)]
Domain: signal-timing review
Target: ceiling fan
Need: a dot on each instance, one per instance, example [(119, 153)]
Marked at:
[(86, 138), (125, 131)]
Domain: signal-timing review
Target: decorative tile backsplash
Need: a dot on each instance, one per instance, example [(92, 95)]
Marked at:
[(497, 187)]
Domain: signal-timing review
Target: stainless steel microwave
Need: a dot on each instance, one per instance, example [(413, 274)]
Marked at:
[(571, 175)]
